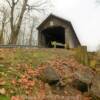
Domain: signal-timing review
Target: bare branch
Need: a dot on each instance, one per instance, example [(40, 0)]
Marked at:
[(17, 15), (37, 5), (16, 2), (17, 18), (9, 3)]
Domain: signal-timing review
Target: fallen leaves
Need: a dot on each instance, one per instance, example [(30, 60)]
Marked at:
[(25, 78), (2, 91), (2, 82), (13, 82), (17, 98)]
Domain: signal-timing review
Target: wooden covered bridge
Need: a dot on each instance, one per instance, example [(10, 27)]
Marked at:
[(54, 28)]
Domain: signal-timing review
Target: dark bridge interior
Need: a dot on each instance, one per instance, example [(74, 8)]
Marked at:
[(54, 34)]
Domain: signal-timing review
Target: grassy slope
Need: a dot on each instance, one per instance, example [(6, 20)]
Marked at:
[(9, 58), (30, 56)]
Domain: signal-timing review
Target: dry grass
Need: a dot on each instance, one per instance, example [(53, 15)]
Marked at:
[(11, 58)]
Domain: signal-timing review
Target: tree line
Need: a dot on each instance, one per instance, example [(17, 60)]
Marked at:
[(19, 18)]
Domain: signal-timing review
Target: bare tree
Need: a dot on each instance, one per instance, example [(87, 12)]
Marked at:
[(33, 24), (15, 28), (25, 7), (4, 21)]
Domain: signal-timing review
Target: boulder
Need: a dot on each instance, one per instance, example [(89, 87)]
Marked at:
[(85, 75), (49, 75)]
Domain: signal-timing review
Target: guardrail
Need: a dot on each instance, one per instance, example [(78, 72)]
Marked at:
[(18, 46), (55, 44)]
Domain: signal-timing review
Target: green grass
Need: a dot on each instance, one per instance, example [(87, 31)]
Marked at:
[(30, 56), (10, 58), (4, 97)]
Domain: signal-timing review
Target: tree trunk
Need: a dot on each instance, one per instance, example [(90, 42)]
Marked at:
[(1, 35), (15, 30)]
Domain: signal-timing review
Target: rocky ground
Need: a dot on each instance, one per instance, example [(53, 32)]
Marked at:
[(46, 74)]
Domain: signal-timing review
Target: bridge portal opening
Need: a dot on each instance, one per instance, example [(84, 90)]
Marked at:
[(56, 34)]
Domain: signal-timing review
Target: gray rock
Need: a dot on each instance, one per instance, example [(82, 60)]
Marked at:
[(85, 75), (49, 75)]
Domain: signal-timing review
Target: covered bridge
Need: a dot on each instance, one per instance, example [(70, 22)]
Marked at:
[(54, 28)]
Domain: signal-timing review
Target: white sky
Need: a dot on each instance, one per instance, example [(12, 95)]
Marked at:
[(85, 17)]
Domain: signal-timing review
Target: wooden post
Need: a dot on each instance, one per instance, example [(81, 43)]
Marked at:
[(82, 55), (66, 46), (53, 43)]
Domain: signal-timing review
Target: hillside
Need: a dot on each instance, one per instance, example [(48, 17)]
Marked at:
[(29, 73)]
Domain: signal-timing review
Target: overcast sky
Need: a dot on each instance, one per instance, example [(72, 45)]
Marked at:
[(85, 17)]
